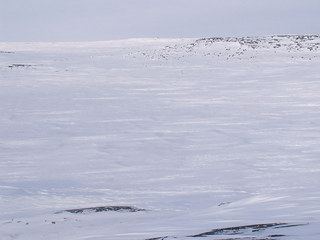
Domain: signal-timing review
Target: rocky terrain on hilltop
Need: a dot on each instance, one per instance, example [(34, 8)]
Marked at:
[(240, 47)]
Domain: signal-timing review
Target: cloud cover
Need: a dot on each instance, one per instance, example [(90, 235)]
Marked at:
[(89, 20)]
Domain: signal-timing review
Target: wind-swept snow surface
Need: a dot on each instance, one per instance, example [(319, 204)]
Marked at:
[(139, 139)]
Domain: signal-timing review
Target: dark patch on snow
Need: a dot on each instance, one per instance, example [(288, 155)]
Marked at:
[(223, 203), (292, 225), (239, 229), (20, 66), (158, 238), (6, 52), (104, 209), (245, 232)]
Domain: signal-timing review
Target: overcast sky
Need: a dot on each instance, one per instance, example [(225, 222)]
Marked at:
[(89, 20)]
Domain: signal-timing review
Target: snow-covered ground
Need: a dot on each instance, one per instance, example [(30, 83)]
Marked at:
[(200, 133)]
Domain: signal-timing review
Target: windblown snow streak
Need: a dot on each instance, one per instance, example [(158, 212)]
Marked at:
[(215, 138)]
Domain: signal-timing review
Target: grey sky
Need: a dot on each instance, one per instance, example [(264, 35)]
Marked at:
[(87, 20)]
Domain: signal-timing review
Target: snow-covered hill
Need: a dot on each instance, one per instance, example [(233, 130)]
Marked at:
[(214, 138)]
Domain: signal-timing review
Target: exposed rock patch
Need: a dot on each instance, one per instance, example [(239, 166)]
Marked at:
[(239, 229), (245, 232), (20, 66), (240, 47), (103, 209), (6, 52)]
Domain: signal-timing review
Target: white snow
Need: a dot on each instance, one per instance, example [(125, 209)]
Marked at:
[(202, 133)]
